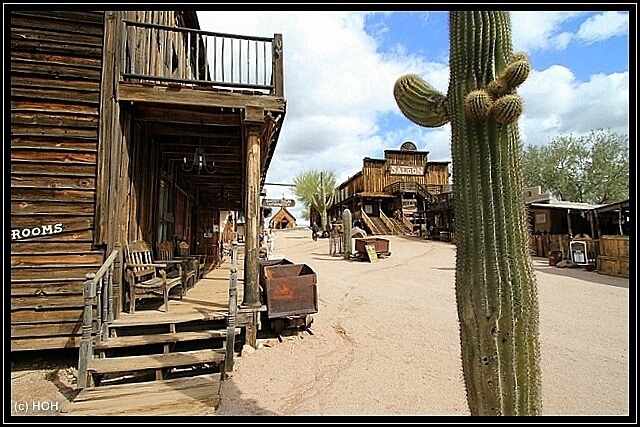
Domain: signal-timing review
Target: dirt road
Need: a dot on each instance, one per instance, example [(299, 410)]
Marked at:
[(385, 340)]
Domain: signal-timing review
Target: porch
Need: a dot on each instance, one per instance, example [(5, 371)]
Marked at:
[(199, 347), (206, 300)]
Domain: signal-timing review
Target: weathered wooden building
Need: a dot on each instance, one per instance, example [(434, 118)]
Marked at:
[(385, 194), (282, 219), (129, 126)]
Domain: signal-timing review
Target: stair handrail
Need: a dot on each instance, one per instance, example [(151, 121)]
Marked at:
[(369, 223), (94, 289), (390, 224), (407, 224)]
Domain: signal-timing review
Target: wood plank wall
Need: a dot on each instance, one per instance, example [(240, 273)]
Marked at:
[(170, 58), (55, 92), (375, 177)]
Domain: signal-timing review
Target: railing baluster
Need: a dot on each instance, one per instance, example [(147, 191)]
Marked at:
[(233, 308), (213, 77), (264, 61), (222, 60), (88, 292), (98, 292), (110, 293), (93, 290)]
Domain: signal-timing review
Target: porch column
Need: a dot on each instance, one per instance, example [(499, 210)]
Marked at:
[(253, 120)]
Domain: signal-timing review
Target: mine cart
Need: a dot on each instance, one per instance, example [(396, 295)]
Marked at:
[(380, 245), (290, 293)]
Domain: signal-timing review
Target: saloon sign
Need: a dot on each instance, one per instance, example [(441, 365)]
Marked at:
[(406, 170)]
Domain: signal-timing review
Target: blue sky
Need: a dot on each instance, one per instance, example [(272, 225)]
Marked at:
[(340, 68)]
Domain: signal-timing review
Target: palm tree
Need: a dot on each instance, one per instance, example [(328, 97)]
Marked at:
[(314, 189)]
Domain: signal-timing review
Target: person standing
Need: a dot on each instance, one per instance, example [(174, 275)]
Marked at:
[(271, 242)]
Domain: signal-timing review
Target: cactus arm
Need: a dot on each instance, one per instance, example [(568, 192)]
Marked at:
[(419, 102)]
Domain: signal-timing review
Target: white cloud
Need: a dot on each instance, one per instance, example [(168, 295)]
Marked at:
[(603, 26), (556, 103), (540, 30), (339, 89), (544, 30)]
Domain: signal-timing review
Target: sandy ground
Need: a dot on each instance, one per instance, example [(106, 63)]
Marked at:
[(385, 342), (385, 339)]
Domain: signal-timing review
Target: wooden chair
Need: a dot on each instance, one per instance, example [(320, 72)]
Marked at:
[(147, 278), (196, 261), (184, 269)]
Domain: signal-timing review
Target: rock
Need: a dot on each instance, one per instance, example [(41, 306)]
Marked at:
[(247, 349)]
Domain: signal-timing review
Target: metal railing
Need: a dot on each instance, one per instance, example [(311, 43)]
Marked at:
[(164, 54), (98, 291)]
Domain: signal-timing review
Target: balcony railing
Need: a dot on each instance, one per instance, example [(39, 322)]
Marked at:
[(162, 54)]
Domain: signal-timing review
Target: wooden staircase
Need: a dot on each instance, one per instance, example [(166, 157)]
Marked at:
[(162, 368), (155, 362), (400, 228)]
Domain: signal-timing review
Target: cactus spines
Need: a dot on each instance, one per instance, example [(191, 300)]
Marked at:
[(419, 101), (507, 109), (516, 73), (518, 56), (497, 88), (477, 105), (496, 291)]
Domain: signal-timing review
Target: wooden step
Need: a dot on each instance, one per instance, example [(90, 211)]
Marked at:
[(195, 395), (136, 340), (155, 361), (160, 318)]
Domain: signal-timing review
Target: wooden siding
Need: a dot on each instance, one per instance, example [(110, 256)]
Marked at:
[(55, 93), (375, 176), (170, 59)]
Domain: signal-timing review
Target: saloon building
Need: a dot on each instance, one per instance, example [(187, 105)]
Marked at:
[(385, 194)]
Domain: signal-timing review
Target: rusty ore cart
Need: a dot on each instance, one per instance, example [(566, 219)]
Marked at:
[(381, 246), (290, 293)]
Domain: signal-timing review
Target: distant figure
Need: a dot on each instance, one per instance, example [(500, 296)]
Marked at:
[(271, 242), (314, 231)]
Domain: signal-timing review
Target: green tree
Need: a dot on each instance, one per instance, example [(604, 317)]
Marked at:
[(314, 189), (591, 168)]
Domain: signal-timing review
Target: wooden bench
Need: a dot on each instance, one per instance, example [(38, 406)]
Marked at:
[(147, 278)]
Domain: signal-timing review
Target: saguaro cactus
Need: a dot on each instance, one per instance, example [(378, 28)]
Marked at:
[(346, 222), (496, 291)]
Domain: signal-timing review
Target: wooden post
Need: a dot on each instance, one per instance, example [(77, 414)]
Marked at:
[(278, 66), (233, 309), (254, 119)]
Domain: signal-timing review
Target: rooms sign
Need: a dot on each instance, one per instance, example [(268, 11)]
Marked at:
[(406, 170)]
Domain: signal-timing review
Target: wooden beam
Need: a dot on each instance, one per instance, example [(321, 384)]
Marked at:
[(135, 92), (184, 116)]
